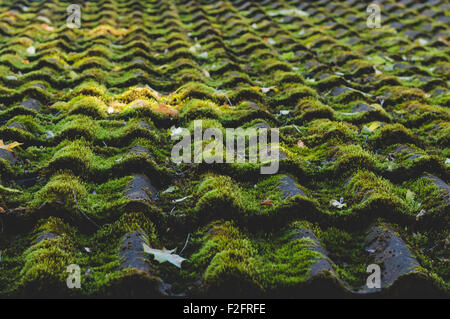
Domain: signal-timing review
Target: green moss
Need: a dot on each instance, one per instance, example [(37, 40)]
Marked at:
[(136, 93), (53, 225), (429, 196), (75, 156), (61, 188), (291, 94), (109, 235), (331, 82), (351, 158), (88, 105), (198, 109), (89, 88), (5, 168), (398, 94), (44, 271), (106, 200), (218, 196), (323, 130), (45, 267), (392, 134), (229, 262), (288, 266), (76, 127), (30, 123), (311, 108), (282, 78), (373, 193), (347, 253), (196, 91)]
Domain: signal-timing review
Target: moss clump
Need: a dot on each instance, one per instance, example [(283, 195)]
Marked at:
[(76, 127), (311, 108), (398, 94), (137, 93), (229, 262), (291, 95), (109, 235), (106, 200), (331, 82), (91, 88), (350, 158), (53, 225), (288, 265), (88, 105), (430, 197), (415, 113), (198, 109), (45, 263), (372, 193), (283, 78), (346, 251), (218, 197), (392, 134), (5, 169), (107, 278), (324, 130), (29, 122), (196, 91), (61, 187), (45, 267), (76, 156)]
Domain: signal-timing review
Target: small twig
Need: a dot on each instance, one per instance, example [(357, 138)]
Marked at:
[(86, 216), (185, 245), (229, 101), (174, 207)]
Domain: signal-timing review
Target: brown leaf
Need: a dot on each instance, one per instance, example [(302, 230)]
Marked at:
[(46, 27), (165, 109), (267, 202)]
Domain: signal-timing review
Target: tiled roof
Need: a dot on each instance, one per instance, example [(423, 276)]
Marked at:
[(364, 137)]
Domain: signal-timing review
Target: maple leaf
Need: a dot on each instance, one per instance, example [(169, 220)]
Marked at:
[(9, 147), (165, 255)]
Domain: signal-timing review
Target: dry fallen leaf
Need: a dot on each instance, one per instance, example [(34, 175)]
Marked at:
[(300, 143), (420, 215), (165, 255), (9, 147), (46, 27), (337, 204), (163, 108), (267, 202), (443, 40)]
